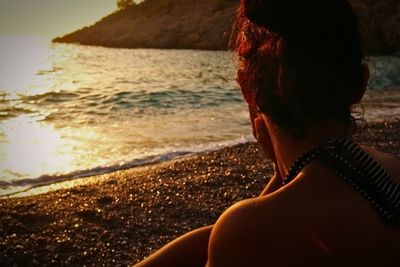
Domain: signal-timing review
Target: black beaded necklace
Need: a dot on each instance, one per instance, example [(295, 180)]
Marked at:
[(330, 146)]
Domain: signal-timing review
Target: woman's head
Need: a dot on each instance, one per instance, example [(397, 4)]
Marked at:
[(300, 60)]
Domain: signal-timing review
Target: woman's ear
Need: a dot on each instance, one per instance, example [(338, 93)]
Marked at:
[(263, 137), (366, 74), (253, 115)]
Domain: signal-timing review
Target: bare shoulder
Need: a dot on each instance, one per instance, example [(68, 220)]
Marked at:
[(236, 233), (250, 233)]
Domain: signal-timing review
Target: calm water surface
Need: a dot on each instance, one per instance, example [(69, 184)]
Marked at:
[(69, 111)]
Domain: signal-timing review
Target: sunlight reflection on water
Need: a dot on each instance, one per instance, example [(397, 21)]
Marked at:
[(44, 148), (68, 108)]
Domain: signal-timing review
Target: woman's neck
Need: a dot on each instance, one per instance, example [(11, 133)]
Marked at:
[(288, 148)]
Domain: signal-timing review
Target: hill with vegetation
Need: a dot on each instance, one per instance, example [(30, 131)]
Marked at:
[(201, 24), (207, 24)]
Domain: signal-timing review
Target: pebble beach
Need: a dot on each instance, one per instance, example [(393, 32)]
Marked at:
[(117, 219)]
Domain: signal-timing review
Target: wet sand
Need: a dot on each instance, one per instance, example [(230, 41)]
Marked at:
[(119, 218)]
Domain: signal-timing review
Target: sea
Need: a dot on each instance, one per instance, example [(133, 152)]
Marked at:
[(69, 111)]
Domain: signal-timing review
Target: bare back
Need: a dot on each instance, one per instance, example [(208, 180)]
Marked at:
[(316, 220)]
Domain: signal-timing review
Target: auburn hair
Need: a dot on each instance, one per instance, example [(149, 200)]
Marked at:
[(300, 61)]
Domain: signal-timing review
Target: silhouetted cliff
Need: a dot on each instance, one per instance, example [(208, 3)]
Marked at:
[(206, 24), (201, 24)]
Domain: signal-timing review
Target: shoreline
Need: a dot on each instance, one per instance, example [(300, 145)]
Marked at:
[(48, 183), (116, 219), (56, 40)]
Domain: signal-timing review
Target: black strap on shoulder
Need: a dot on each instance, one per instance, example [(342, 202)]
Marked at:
[(360, 170), (366, 176)]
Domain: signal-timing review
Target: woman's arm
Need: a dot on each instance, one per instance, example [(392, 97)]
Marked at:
[(187, 250)]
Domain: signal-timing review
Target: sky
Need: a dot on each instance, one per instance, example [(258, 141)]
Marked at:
[(51, 18)]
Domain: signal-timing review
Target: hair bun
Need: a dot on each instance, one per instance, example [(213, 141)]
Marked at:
[(276, 15), (286, 17)]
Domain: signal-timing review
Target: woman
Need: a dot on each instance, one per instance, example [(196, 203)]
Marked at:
[(330, 202)]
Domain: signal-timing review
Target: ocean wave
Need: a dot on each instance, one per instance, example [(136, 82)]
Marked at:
[(84, 101), (51, 97), (8, 112), (29, 183), (172, 99), (48, 179)]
